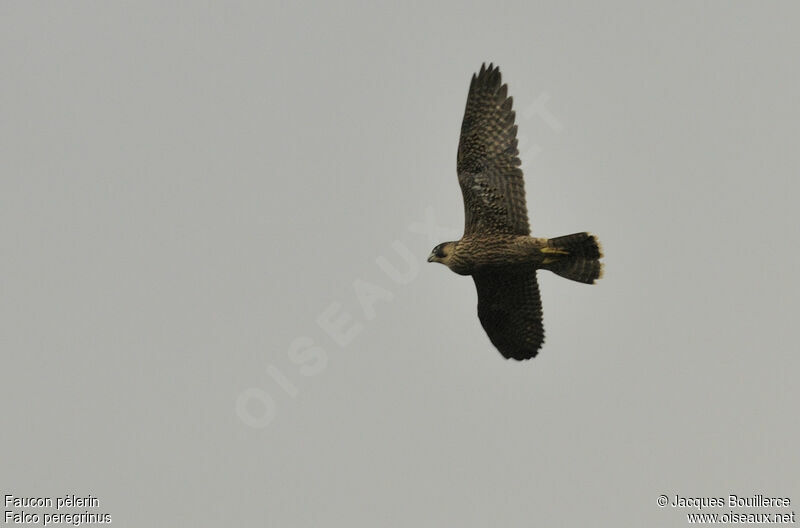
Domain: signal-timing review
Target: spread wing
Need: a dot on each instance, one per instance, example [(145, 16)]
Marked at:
[(488, 166), (510, 310)]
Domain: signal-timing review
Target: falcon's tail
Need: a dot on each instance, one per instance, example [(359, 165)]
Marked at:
[(575, 257)]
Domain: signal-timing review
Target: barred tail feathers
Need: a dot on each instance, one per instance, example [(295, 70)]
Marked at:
[(575, 257)]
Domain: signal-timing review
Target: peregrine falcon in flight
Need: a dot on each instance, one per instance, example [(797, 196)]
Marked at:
[(496, 248)]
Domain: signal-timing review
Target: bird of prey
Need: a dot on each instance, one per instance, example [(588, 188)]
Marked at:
[(496, 248)]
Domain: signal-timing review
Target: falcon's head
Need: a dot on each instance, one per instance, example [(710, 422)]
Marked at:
[(443, 253)]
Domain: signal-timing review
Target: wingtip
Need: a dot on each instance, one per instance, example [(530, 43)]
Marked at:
[(490, 77), (489, 69), (521, 354)]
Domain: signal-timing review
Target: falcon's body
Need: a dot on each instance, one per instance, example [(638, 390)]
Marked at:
[(473, 253), (497, 249)]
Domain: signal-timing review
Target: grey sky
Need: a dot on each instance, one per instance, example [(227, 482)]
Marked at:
[(187, 191)]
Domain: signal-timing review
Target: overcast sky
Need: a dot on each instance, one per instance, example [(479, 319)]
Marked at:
[(215, 308)]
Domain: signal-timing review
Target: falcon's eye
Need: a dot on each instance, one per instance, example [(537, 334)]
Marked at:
[(439, 251)]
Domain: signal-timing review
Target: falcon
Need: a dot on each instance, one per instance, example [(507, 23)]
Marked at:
[(497, 248)]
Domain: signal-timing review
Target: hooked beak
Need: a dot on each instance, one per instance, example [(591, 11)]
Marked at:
[(431, 257)]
